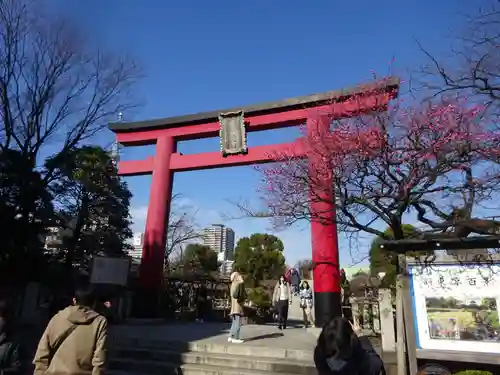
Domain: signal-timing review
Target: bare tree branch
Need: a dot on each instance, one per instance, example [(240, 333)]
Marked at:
[(473, 69), (182, 226), (54, 86)]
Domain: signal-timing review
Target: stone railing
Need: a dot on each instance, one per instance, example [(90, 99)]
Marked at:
[(375, 315), (366, 314)]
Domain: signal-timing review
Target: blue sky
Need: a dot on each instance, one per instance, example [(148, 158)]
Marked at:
[(200, 55)]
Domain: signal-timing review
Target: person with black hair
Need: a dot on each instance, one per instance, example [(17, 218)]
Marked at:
[(295, 281), (306, 303), (282, 298), (74, 341), (9, 351), (104, 305), (201, 302), (340, 351)]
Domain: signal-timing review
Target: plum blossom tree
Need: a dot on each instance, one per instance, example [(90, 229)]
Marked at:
[(434, 163)]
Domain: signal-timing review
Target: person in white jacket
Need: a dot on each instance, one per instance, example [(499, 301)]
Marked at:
[(282, 298)]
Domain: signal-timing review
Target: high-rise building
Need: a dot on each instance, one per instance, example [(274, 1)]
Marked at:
[(221, 239)]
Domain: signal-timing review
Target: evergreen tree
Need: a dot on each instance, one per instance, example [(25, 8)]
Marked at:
[(199, 260), (259, 257), (93, 203), (25, 210)]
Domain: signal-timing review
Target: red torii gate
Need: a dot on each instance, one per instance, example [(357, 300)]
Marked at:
[(165, 133)]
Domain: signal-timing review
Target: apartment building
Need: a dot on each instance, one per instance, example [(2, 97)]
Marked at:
[(221, 239)]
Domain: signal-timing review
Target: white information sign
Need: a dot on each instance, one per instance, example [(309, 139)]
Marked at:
[(137, 239), (456, 307), (107, 270)]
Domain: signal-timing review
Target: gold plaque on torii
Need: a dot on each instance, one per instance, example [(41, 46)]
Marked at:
[(233, 137)]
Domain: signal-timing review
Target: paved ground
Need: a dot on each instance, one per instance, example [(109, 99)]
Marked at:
[(294, 310), (263, 336), (254, 335), (295, 337)]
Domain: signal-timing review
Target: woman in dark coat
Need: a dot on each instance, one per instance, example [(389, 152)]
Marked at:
[(341, 352), (201, 302)]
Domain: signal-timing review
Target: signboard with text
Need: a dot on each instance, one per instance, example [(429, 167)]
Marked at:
[(108, 270), (456, 307)]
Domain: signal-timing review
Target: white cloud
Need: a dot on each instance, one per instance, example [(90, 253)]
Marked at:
[(138, 215), (184, 202), (182, 205), (210, 216)]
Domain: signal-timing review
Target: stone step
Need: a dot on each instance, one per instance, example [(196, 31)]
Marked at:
[(151, 361), (131, 368), (244, 349)]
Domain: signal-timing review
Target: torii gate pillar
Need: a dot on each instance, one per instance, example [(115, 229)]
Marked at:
[(232, 125)]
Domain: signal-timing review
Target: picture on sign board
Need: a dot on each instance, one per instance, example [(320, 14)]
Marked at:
[(474, 319), (456, 307)]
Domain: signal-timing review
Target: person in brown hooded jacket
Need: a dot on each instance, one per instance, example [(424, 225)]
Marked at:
[(74, 341)]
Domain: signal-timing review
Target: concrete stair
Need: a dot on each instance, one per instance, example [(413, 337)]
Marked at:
[(163, 357)]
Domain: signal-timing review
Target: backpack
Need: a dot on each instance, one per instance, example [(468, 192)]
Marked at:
[(239, 293)]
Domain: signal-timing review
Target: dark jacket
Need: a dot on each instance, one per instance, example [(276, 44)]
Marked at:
[(202, 294), (9, 352), (365, 361), (3, 330), (295, 278)]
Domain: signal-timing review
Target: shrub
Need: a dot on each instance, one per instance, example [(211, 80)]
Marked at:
[(260, 311), (260, 298)]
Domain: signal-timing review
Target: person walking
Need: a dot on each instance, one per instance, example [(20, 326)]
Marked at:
[(306, 303), (201, 302), (282, 298), (74, 341), (10, 362), (295, 281), (106, 309), (238, 296)]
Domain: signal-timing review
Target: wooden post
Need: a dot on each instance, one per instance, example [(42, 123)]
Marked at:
[(355, 311), (376, 316), (388, 336), (366, 314), (400, 327), (411, 348)]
